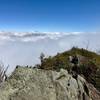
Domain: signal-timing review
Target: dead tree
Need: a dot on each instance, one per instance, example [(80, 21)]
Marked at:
[(3, 71), (42, 57)]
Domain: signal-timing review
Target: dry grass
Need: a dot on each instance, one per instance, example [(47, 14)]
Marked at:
[(3, 72)]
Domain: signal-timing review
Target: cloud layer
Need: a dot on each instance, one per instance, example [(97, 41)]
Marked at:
[(33, 36), (25, 48)]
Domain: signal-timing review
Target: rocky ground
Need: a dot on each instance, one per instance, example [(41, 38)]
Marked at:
[(39, 84)]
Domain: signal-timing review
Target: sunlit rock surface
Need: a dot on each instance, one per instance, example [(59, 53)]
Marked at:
[(37, 84)]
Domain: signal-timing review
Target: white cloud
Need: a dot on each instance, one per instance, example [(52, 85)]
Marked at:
[(33, 36), (25, 48)]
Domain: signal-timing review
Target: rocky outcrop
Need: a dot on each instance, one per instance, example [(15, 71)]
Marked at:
[(38, 84)]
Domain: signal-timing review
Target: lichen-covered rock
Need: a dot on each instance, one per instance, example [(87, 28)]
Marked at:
[(37, 84)]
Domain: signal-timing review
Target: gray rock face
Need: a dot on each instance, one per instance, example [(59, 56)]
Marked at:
[(37, 84)]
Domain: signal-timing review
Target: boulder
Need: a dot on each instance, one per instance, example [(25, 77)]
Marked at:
[(39, 84)]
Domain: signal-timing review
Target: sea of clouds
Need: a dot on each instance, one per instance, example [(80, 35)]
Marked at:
[(32, 36), (24, 48)]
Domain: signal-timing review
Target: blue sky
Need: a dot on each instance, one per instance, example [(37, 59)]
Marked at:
[(50, 15)]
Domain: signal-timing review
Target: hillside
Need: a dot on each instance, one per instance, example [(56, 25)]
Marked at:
[(89, 64), (53, 79), (37, 84)]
